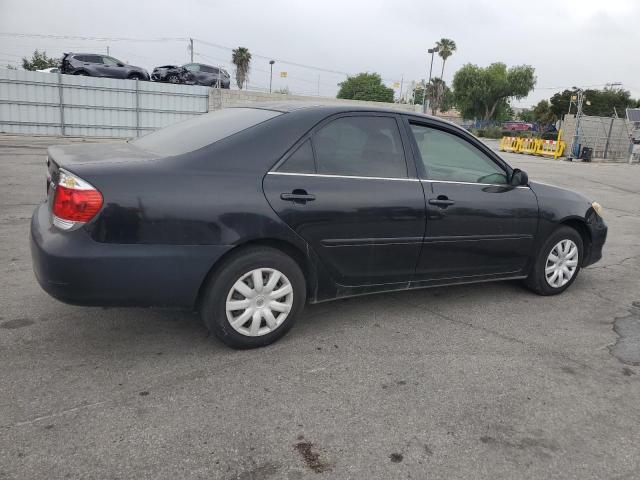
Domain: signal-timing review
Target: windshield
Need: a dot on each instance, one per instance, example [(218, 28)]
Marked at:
[(202, 130)]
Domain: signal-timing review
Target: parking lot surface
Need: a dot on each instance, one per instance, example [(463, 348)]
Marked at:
[(478, 381)]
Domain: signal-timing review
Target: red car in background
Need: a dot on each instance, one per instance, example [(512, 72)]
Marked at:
[(517, 126)]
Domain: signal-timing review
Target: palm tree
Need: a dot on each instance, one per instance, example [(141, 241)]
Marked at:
[(435, 93), (241, 58), (446, 47)]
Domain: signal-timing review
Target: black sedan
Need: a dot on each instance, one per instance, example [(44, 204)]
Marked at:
[(246, 214)]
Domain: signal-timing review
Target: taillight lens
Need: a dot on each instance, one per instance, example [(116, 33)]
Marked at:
[(75, 201)]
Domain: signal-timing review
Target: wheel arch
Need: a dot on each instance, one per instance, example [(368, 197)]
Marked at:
[(293, 251), (580, 225)]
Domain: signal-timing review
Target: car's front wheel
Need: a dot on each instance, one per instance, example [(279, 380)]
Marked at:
[(255, 297), (558, 262)]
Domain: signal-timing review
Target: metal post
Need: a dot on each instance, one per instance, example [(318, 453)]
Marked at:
[(318, 84), (401, 85), (191, 48), (137, 109), (425, 101), (61, 99), (271, 62), (429, 82)]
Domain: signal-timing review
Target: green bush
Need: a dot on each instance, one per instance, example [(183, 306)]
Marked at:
[(489, 132)]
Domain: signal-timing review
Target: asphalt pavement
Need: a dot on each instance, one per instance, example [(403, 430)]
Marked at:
[(479, 381)]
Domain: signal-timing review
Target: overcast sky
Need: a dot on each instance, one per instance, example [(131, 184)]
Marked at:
[(569, 42)]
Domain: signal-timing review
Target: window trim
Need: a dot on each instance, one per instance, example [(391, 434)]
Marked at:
[(466, 137)]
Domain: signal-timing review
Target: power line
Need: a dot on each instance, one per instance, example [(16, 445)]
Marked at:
[(91, 38)]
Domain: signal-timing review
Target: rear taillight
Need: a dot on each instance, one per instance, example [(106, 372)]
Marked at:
[(75, 201)]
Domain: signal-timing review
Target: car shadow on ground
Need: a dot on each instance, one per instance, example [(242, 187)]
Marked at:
[(99, 331)]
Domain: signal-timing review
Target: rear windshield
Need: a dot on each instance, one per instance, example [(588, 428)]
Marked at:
[(202, 130)]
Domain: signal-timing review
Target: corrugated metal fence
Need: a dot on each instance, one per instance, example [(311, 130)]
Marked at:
[(54, 104)]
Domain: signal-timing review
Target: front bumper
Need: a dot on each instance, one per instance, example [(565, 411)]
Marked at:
[(73, 268), (598, 232)]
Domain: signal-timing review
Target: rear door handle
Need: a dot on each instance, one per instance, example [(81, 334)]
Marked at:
[(441, 201), (298, 196)]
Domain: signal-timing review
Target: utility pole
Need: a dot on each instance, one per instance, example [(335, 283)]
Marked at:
[(425, 101), (191, 48), (575, 145), (271, 62), (318, 84), (107, 49)]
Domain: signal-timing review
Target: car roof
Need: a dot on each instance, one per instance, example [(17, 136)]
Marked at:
[(333, 108)]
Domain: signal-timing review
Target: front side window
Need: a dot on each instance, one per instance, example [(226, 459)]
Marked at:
[(448, 157), (360, 146), (192, 67), (110, 61)]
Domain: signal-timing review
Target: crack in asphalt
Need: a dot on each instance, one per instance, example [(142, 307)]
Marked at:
[(627, 347), (615, 264), (532, 346)]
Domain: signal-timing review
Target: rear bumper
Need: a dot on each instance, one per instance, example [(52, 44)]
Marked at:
[(73, 268)]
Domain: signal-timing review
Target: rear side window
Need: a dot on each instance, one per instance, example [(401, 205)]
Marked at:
[(93, 59), (202, 130), (450, 158), (207, 69), (360, 146), (301, 161)]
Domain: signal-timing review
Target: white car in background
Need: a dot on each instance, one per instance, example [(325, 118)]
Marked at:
[(49, 70)]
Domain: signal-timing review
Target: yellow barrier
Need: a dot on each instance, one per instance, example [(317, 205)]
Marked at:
[(532, 146), (550, 148)]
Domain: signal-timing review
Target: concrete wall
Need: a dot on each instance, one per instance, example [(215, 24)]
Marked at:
[(608, 137), (221, 98)]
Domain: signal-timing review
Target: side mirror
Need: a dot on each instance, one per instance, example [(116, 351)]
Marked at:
[(121, 64), (519, 178)]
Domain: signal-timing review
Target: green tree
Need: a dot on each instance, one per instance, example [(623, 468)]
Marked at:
[(439, 95), (39, 61), (241, 58), (446, 47), (418, 92), (526, 115), (543, 114), (485, 92), (365, 86), (602, 103)]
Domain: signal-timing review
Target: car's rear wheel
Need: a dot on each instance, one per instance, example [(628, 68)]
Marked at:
[(558, 262), (255, 297), (135, 76)]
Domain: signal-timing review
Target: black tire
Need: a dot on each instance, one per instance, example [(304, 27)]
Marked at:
[(135, 76), (213, 310), (537, 281), (173, 78), (82, 73)]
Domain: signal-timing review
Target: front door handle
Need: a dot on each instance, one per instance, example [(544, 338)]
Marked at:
[(298, 196), (441, 201)]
